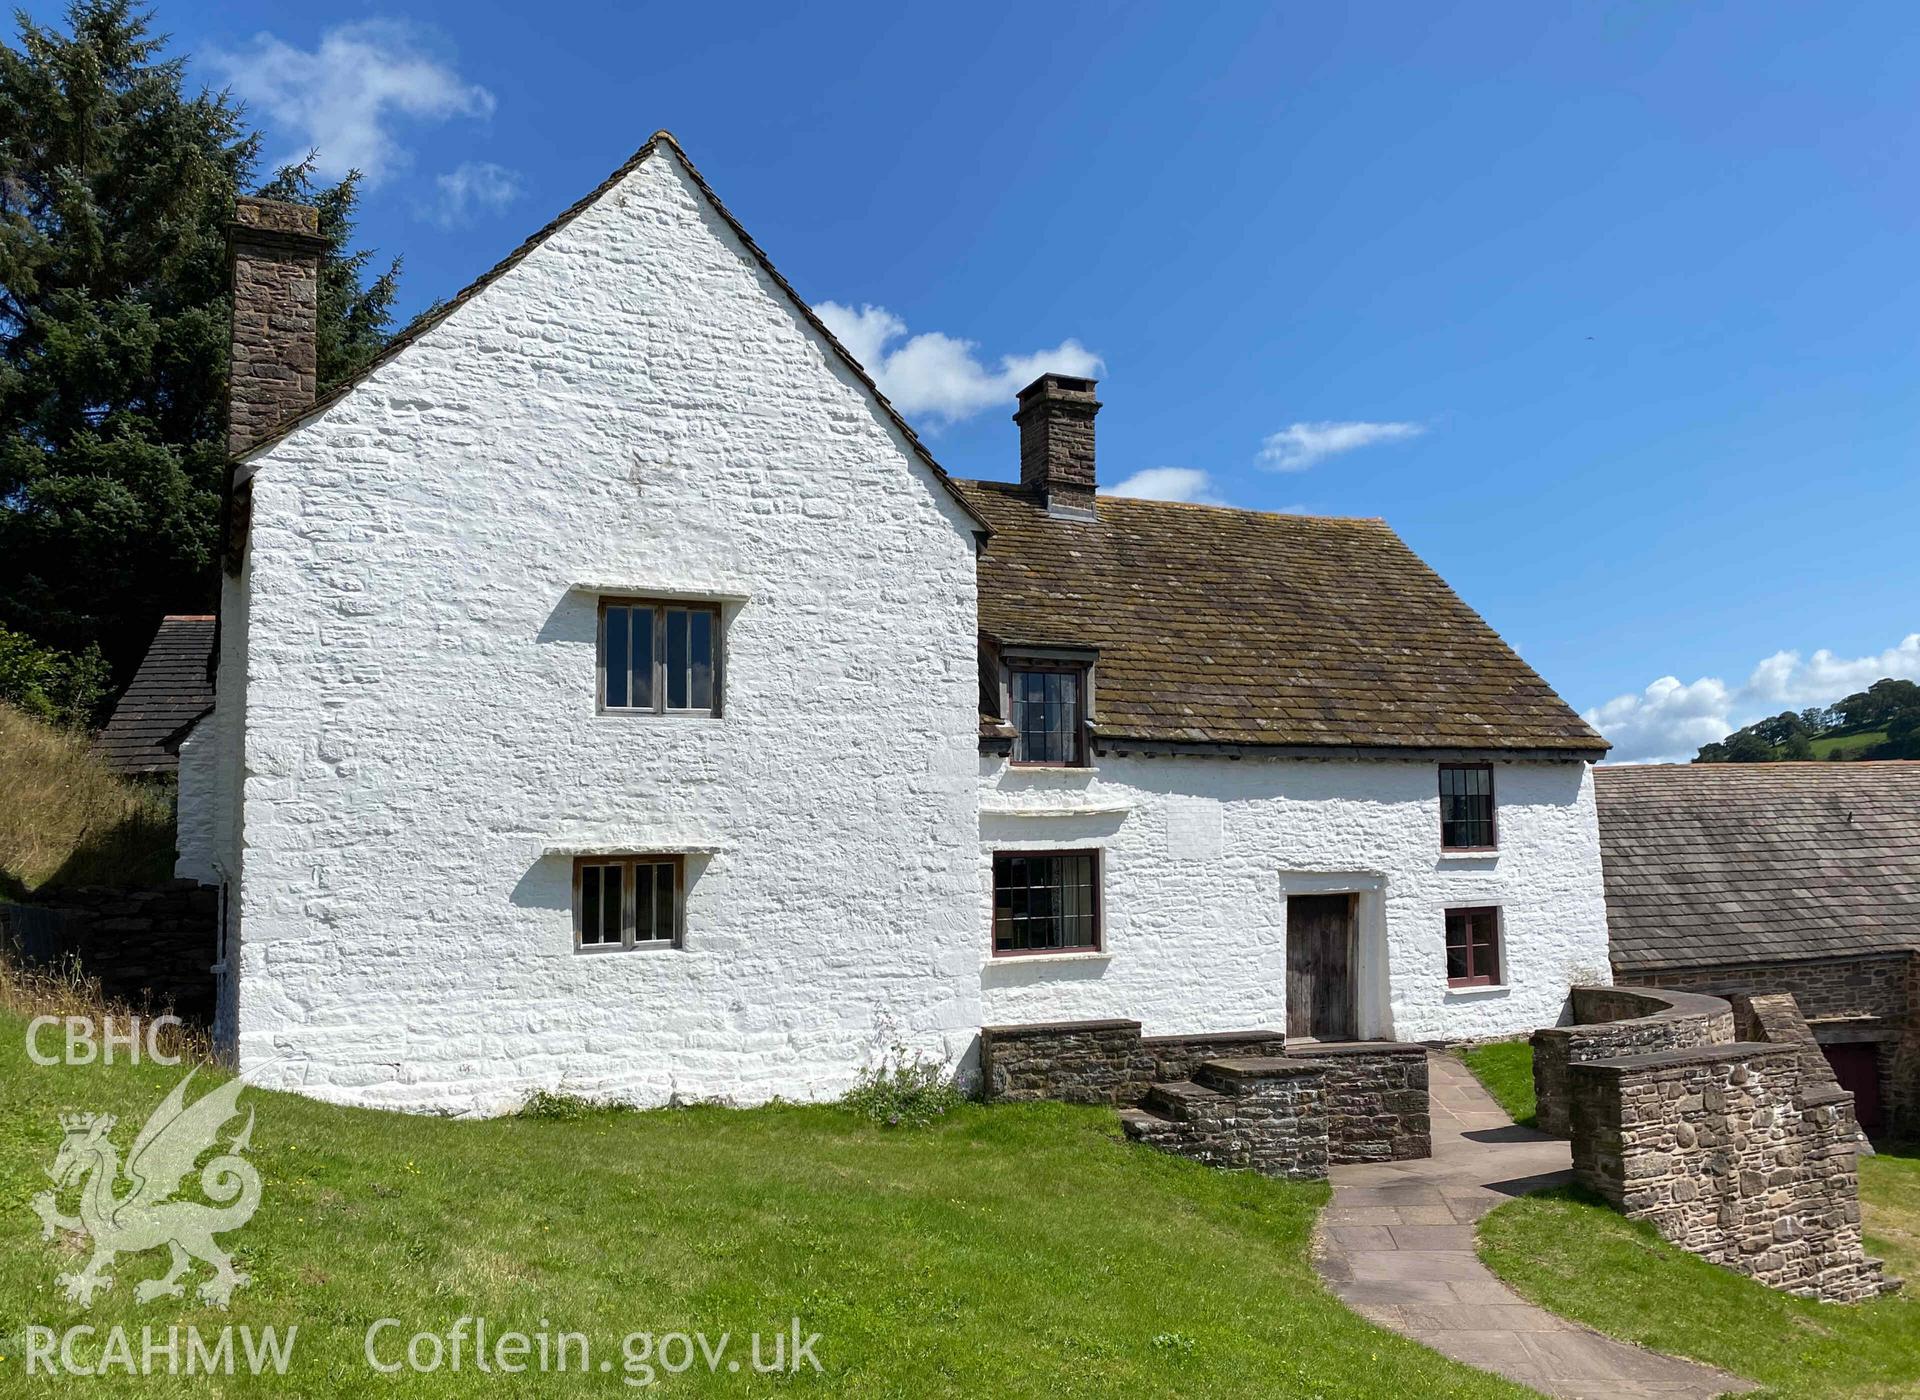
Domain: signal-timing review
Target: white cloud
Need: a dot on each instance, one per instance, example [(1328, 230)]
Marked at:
[(1169, 484), (1665, 723), (1784, 679), (938, 375), (473, 188), (1668, 721), (1299, 445), (345, 98)]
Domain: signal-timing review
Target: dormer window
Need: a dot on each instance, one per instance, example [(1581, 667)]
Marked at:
[(1037, 702), (1048, 714)]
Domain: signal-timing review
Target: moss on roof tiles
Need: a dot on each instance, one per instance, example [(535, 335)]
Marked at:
[(1241, 627)]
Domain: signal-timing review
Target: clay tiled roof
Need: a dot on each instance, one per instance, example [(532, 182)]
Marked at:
[(1710, 863), (169, 692), (1238, 627)]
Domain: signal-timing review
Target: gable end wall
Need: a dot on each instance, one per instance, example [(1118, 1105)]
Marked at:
[(634, 401)]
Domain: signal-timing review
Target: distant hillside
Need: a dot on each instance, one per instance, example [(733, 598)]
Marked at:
[(1882, 721)]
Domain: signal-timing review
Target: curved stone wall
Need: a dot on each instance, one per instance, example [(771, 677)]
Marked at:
[(1723, 1145), (1609, 1022)]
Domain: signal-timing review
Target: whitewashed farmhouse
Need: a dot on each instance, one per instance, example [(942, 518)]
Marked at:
[(614, 695)]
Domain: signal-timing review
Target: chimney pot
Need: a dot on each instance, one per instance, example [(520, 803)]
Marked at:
[(1056, 442), (273, 367)]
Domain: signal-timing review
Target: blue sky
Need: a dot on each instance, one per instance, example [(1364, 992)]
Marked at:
[(1610, 311)]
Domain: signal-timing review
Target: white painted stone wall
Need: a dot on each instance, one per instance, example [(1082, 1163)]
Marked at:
[(634, 403), (227, 730), (197, 806), (1200, 853)]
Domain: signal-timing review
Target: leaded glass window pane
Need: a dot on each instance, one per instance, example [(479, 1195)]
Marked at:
[(1045, 902), (1466, 806), (1046, 715)]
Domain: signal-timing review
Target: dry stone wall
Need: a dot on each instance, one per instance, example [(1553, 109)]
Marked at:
[(1377, 1107), (1098, 1062), (1102, 1062), (148, 947), (1874, 998), (1180, 1056), (1724, 1153), (1774, 1018)]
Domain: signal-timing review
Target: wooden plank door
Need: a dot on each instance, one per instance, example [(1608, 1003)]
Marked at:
[(1320, 966)]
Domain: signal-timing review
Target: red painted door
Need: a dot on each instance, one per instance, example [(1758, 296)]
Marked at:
[(1857, 1067)]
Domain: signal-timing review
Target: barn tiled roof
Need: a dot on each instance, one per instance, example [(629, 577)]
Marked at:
[(1709, 863), (169, 691), (1239, 627)]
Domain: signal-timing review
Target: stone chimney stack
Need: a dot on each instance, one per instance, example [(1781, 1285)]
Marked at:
[(1056, 442), (274, 253)]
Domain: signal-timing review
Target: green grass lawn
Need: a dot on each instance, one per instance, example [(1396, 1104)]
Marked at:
[(1005, 1251), (1576, 1256), (1506, 1070), (1890, 1208)]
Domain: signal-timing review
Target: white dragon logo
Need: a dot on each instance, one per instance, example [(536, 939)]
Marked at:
[(147, 1216)]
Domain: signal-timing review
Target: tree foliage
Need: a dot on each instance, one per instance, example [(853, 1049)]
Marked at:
[(115, 188), (49, 684), (1879, 704), (1887, 706)]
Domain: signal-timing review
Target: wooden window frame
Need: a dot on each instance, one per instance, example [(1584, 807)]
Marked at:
[(1493, 977), (1099, 944), (1083, 674), (660, 608), (1493, 809), (629, 922)]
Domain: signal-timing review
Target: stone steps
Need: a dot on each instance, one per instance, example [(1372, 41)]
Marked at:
[(1184, 1101), (1144, 1125)]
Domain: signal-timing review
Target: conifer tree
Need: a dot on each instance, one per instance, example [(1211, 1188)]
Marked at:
[(116, 184)]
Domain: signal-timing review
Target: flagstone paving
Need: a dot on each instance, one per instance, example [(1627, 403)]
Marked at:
[(1397, 1246)]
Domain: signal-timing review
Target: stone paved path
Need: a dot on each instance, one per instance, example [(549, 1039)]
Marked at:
[(1397, 1247)]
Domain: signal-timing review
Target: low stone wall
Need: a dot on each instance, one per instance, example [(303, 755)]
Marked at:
[(1102, 1062), (1098, 1062), (152, 947), (1264, 1114), (1377, 1106), (1614, 1021), (1721, 1149), (1368, 1098), (1180, 1056)]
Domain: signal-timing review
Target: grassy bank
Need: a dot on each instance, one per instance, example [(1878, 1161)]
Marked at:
[(1006, 1251), (1576, 1256), (67, 819)]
